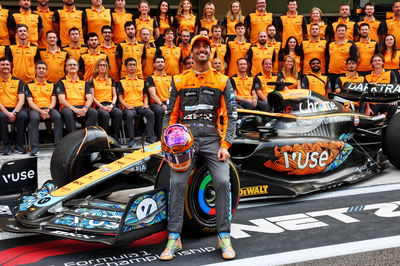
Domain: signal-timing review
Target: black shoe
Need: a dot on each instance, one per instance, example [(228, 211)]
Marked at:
[(6, 150), (20, 149), (131, 143), (34, 151)]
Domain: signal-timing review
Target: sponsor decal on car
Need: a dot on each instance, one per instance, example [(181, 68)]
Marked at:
[(19, 176), (253, 191), (309, 158), (314, 107)]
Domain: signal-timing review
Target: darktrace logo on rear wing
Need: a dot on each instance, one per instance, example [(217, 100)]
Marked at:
[(374, 88)]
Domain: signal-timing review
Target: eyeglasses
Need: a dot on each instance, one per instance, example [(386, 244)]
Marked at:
[(131, 64), (107, 32)]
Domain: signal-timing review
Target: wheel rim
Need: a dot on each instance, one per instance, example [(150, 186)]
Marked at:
[(206, 195)]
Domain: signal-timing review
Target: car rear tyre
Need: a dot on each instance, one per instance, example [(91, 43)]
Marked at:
[(392, 141)]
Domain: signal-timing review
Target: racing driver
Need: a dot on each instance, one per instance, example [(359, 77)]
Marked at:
[(202, 99)]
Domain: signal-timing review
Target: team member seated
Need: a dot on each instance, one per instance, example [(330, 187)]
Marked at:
[(261, 80), (315, 81), (42, 98), (12, 100), (75, 100), (134, 101)]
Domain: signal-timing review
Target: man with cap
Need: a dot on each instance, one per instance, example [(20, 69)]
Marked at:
[(206, 94)]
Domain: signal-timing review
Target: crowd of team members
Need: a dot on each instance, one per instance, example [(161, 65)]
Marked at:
[(126, 66)]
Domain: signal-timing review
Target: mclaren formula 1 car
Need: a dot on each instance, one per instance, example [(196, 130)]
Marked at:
[(309, 143)]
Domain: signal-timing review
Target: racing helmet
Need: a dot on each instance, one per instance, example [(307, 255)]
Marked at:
[(177, 144)]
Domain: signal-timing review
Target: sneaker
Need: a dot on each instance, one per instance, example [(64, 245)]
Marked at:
[(6, 150), (131, 143), (20, 149), (34, 151), (224, 243), (174, 244)]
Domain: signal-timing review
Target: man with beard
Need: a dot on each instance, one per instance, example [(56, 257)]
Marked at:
[(12, 99), (256, 54), (67, 18), (258, 20), (351, 75), (218, 49), (374, 25), (392, 25), (366, 49), (43, 10), (96, 17), (31, 20), (313, 48), (184, 44), (75, 48), (130, 48), (110, 49), (271, 42), (352, 28), (261, 80), (148, 66), (211, 138), (120, 17), (89, 59), (315, 81)]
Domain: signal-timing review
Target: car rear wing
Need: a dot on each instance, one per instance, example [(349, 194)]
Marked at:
[(370, 92)]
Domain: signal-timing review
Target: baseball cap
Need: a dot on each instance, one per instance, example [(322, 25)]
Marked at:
[(198, 38)]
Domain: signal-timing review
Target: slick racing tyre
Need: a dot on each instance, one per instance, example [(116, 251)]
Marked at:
[(391, 141), (200, 197), (77, 153)]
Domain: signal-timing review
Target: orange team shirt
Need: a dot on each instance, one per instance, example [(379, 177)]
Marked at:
[(9, 90), (172, 57), (338, 53), (346, 78), (235, 51), (256, 55), (164, 24), (204, 23), (136, 51), (316, 83), (102, 89), (162, 83), (40, 92), (67, 19), (75, 52), (88, 61), (366, 50), (220, 50), (393, 27), (112, 59), (313, 49), (119, 20), (392, 63), (75, 91), (383, 77), (24, 57), (148, 67), (32, 20), (296, 57), (47, 17), (257, 22), (185, 53), (4, 36), (149, 23), (243, 86), (277, 46), (229, 25), (187, 23), (293, 26), (322, 30), (2, 51), (373, 28), (97, 19), (350, 28), (55, 64), (260, 83), (132, 91), (290, 79)]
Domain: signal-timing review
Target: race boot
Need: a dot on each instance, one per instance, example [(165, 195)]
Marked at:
[(224, 243), (174, 244)]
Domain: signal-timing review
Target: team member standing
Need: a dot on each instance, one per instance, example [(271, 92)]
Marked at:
[(218, 49), (148, 66), (186, 19), (88, 60), (157, 86), (261, 80), (110, 49), (338, 52), (391, 55), (271, 42), (31, 20), (164, 20), (236, 49), (42, 99), (188, 63), (315, 81), (4, 35), (233, 16), (12, 99), (2, 51), (316, 18), (258, 20), (257, 53), (369, 10), (104, 92), (245, 93), (43, 10), (120, 16), (184, 44), (352, 28), (23, 55), (313, 48), (392, 25), (366, 49), (74, 48), (96, 17), (67, 18), (75, 99), (54, 58), (134, 101), (208, 20), (211, 138), (292, 24), (130, 48), (145, 21), (217, 65), (291, 48), (289, 73), (171, 53)]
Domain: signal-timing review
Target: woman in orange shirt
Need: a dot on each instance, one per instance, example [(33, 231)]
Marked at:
[(291, 48), (208, 19), (289, 73), (391, 55), (316, 18), (164, 20), (145, 21), (186, 19), (233, 16)]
